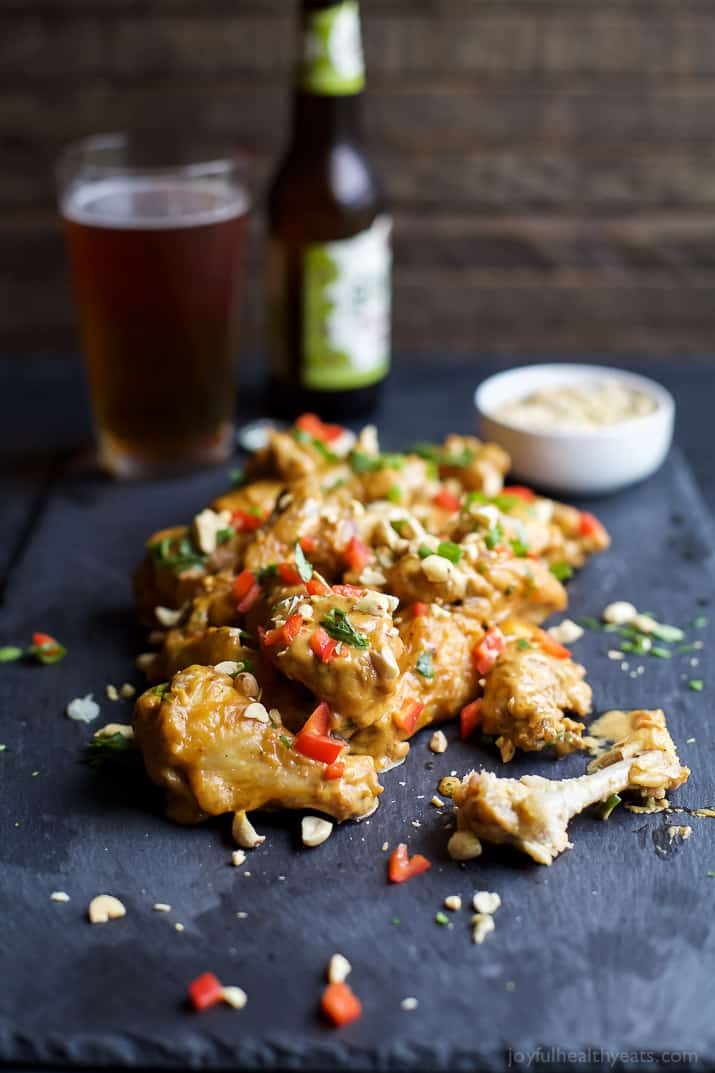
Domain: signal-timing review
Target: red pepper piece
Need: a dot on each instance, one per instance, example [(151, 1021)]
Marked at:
[(340, 1005), (246, 591), (336, 770), (356, 554), (469, 719), (402, 867), (244, 522), (313, 426), (318, 722), (40, 639), (551, 646), (419, 609), (308, 544), (322, 645), (486, 652), (290, 574), (316, 587), (589, 525), (447, 500), (318, 747), (519, 491), (406, 719), (205, 991)]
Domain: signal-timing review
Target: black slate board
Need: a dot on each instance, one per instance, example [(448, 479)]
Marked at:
[(609, 949)]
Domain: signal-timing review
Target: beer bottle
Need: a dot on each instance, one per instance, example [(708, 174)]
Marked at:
[(330, 239)]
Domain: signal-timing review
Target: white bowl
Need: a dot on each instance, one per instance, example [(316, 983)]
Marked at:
[(592, 462)]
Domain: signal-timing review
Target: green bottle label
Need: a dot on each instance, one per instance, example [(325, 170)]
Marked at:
[(332, 63), (346, 310)]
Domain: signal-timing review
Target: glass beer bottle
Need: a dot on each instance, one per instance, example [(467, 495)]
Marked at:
[(330, 239)]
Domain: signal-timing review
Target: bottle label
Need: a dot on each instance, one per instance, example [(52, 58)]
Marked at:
[(332, 63), (346, 310)]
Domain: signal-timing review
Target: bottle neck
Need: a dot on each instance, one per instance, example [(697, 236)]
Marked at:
[(319, 120)]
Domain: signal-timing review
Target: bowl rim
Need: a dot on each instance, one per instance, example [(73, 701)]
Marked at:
[(665, 403)]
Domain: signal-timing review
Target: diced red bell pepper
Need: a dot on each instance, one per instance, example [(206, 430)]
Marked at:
[(348, 590), (491, 645), (356, 554), (245, 522), (246, 591), (469, 719), (402, 867), (551, 646), (336, 770), (589, 524), (447, 500), (322, 645), (316, 587), (519, 491), (319, 747), (318, 722), (419, 609), (313, 426), (340, 1005), (205, 991), (289, 573), (285, 634), (40, 639), (307, 544), (406, 718)]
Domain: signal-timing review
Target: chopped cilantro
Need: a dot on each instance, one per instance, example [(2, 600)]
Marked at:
[(608, 806), (448, 550), (305, 570), (10, 653), (176, 555), (338, 626), (561, 571), (441, 918), (108, 747), (424, 665), (696, 684)]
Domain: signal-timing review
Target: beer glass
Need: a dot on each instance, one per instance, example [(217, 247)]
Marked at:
[(155, 246)]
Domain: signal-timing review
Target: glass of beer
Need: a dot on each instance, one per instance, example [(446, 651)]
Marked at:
[(155, 245)]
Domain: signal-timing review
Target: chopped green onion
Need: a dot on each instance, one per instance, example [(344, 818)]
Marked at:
[(494, 536), (395, 494), (699, 622), (523, 644), (659, 653), (266, 571), (442, 457), (305, 570), (363, 463), (448, 550), (424, 665), (285, 740), (696, 684), (711, 875), (441, 918), (108, 747), (398, 524), (395, 921), (683, 649), (666, 633), (3, 748), (561, 571), (424, 551), (520, 549), (589, 623), (49, 652), (10, 653), (338, 626), (225, 535), (176, 555), (608, 806)]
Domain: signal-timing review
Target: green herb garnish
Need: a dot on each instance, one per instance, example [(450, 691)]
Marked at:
[(363, 463), (3, 748), (520, 549), (395, 921), (659, 653), (160, 690), (522, 643), (711, 875), (424, 551), (176, 555), (338, 626), (266, 571), (669, 634), (424, 665), (398, 524), (395, 494), (10, 653), (440, 456), (590, 623), (305, 570), (696, 684), (494, 536), (699, 622), (441, 918), (108, 747), (608, 806), (285, 740), (49, 652), (224, 535), (448, 550), (561, 571)]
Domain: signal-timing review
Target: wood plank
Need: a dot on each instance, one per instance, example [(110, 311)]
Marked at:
[(541, 43)]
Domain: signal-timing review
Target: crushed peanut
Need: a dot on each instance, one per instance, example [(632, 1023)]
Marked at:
[(436, 801), (234, 996), (464, 846), (167, 616), (105, 907), (438, 742), (245, 833), (486, 902), (314, 830), (161, 907), (238, 857), (111, 691), (59, 896), (482, 925), (453, 902), (409, 1004), (339, 968), (566, 632), (127, 691), (619, 613)]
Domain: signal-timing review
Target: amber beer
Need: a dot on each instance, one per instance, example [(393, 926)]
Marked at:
[(156, 262), (330, 256)]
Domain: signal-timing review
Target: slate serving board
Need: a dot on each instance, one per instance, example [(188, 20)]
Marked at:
[(610, 950)]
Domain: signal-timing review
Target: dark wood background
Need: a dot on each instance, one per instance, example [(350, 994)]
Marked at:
[(551, 163)]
